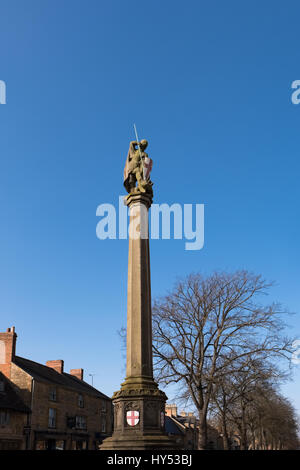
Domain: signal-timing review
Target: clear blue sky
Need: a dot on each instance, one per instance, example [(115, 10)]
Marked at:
[(209, 85)]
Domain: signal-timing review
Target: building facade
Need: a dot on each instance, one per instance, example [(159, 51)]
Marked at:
[(61, 410), (13, 417)]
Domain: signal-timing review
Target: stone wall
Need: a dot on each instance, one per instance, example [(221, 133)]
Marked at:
[(36, 395)]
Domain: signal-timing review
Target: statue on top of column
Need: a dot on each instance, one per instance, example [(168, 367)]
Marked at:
[(137, 169)]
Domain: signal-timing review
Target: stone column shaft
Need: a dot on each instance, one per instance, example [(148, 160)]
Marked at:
[(139, 393), (139, 326)]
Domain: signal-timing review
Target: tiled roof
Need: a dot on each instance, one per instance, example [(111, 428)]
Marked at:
[(9, 399), (47, 374), (171, 427)]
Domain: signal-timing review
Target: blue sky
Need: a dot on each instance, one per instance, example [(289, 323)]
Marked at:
[(209, 85)]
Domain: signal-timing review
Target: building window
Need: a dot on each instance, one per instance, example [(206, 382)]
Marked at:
[(80, 401), (103, 424), (80, 422), (60, 445), (4, 418), (79, 445), (103, 408), (1, 386), (52, 394), (52, 418)]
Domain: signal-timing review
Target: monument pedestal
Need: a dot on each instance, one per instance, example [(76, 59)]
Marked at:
[(148, 433), (139, 407)]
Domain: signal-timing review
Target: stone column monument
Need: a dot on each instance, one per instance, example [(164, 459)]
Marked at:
[(139, 407)]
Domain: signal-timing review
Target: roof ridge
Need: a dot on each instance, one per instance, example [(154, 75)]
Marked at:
[(51, 375), (76, 379), (34, 362)]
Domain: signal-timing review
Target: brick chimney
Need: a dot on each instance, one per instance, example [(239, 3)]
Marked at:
[(7, 350), (57, 365), (77, 373)]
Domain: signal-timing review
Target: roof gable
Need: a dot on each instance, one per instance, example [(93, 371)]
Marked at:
[(9, 398)]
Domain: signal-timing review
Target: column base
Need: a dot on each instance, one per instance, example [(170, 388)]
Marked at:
[(137, 441), (139, 417)]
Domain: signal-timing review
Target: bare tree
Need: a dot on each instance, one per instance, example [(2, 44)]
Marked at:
[(270, 420), (236, 396), (278, 424), (205, 326)]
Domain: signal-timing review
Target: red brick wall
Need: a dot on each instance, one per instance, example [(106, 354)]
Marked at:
[(7, 350)]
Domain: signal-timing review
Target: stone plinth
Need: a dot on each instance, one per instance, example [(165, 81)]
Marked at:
[(139, 393)]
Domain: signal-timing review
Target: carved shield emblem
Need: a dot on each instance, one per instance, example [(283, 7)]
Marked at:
[(132, 417)]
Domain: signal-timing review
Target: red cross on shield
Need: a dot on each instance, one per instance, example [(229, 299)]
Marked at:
[(132, 417)]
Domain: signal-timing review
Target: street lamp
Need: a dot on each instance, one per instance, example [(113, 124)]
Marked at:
[(92, 375)]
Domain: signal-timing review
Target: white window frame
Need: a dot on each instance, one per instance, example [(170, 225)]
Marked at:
[(103, 424), (80, 422), (53, 394), (52, 418), (80, 401)]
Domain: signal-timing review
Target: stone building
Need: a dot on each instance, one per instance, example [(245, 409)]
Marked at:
[(61, 410), (184, 430), (184, 427), (13, 417)]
